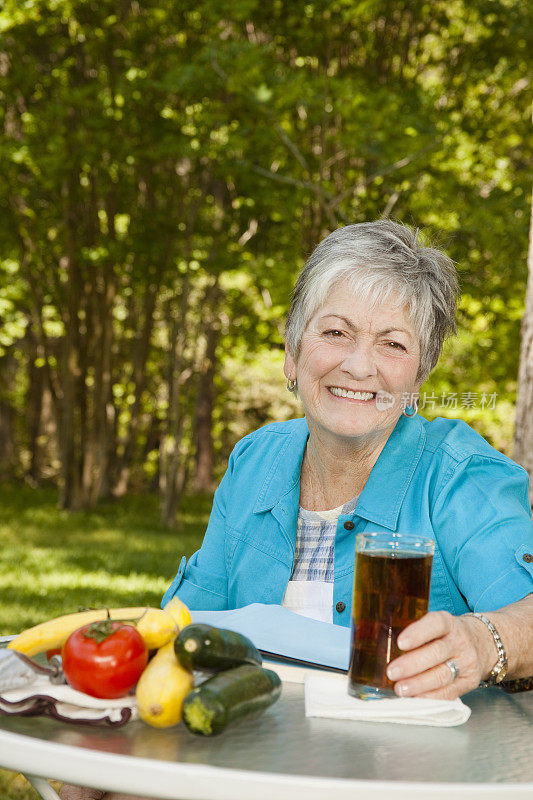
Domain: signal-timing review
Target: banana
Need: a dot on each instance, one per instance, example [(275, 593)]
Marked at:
[(156, 627), (161, 689)]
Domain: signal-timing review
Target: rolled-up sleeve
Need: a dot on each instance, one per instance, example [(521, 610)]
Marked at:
[(202, 581), (483, 521)]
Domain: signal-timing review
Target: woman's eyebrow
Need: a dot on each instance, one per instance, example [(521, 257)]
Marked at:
[(395, 330), (384, 332)]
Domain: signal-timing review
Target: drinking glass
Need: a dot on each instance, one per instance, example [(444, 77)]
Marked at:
[(391, 590)]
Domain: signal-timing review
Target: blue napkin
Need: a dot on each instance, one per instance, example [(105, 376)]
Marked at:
[(276, 630)]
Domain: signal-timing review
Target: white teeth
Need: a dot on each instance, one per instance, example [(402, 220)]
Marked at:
[(352, 395)]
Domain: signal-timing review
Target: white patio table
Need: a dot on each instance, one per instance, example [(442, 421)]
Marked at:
[(286, 756)]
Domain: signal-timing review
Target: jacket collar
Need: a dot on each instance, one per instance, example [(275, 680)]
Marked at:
[(382, 497), (284, 473), (385, 489)]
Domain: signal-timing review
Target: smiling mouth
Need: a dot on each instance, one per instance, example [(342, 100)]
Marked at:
[(350, 394)]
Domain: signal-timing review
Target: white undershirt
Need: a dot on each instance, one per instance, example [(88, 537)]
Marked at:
[(313, 598)]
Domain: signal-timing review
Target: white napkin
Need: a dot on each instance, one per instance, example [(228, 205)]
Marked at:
[(64, 703), (327, 696)]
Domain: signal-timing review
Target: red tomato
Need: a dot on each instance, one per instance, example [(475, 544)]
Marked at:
[(104, 659)]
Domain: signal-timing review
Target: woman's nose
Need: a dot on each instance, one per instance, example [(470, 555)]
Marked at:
[(360, 363)]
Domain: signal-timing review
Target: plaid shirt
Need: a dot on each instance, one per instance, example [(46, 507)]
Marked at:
[(314, 558)]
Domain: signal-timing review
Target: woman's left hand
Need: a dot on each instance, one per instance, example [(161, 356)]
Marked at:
[(438, 637)]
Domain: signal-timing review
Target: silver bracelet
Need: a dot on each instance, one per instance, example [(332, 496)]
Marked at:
[(499, 671)]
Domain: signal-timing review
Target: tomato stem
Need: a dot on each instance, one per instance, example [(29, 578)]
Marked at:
[(103, 629)]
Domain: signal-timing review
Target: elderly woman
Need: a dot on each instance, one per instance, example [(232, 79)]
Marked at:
[(369, 315)]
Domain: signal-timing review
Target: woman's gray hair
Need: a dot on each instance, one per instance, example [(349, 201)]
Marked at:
[(382, 261)]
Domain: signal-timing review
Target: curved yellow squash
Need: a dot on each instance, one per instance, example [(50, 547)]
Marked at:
[(155, 626), (162, 688)]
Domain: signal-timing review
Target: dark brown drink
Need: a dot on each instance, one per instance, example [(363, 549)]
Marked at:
[(391, 589)]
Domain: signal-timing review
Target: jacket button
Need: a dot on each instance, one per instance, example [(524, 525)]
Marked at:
[(350, 526), (528, 557), (340, 606)]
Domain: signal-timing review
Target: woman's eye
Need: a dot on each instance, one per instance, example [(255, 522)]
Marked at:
[(333, 332), (397, 346)]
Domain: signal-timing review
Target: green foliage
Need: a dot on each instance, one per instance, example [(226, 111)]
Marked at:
[(158, 150)]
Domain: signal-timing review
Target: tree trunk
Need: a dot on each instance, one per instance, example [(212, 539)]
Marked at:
[(69, 447), (96, 450), (36, 390), (140, 359), (523, 439), (72, 405), (8, 464), (172, 463), (205, 398)]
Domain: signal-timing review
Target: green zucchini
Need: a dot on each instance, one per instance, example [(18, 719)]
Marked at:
[(206, 648), (229, 697)]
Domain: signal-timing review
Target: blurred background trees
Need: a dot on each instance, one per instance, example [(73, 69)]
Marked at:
[(167, 166)]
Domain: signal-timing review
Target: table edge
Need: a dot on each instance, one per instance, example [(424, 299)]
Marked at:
[(194, 781)]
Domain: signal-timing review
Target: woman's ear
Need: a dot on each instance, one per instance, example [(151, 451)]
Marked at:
[(289, 367)]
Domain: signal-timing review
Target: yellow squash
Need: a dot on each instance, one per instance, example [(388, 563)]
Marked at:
[(162, 688), (155, 626), (179, 613)]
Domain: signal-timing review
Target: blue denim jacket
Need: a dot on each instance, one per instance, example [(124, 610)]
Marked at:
[(438, 479)]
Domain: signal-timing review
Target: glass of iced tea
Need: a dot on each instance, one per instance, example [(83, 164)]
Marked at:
[(391, 589)]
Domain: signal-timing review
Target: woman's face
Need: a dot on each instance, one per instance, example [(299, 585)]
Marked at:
[(357, 367)]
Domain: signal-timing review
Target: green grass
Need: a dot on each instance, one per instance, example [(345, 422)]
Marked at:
[(14, 786), (54, 562)]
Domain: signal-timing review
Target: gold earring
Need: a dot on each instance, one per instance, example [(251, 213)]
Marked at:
[(291, 384)]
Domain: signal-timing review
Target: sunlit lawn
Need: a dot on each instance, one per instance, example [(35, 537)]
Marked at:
[(54, 562)]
